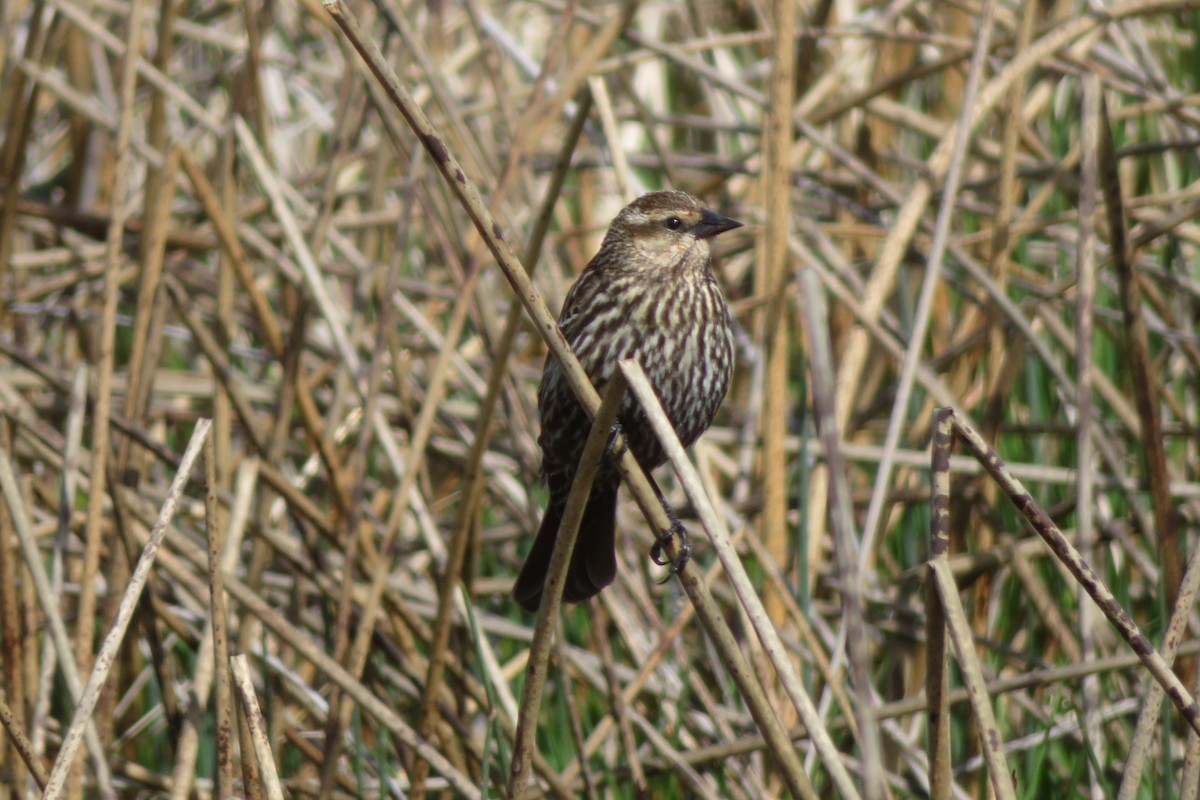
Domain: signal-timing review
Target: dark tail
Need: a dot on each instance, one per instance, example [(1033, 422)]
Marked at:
[(594, 561)]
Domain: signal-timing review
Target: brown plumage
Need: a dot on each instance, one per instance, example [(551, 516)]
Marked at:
[(649, 293)]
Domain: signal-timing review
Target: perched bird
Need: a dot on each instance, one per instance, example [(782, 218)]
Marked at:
[(649, 294)]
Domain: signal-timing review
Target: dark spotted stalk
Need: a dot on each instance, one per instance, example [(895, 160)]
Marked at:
[(1067, 554)]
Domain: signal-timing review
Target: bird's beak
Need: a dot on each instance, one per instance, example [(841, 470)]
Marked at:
[(712, 223)]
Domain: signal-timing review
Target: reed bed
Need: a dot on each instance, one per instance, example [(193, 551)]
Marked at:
[(278, 280)]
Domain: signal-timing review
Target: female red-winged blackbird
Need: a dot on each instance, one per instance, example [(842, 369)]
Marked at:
[(648, 294)]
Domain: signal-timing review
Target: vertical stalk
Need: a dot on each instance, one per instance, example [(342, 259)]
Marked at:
[(772, 284)]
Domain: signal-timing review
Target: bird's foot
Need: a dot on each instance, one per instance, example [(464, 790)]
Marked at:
[(684, 554), (618, 444)]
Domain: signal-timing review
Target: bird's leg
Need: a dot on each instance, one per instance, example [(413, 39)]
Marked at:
[(616, 453), (685, 548)]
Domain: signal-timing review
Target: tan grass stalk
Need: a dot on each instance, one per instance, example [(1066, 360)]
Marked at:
[(850, 566), (560, 561), (212, 658), (244, 684), (54, 621), (968, 661), (1085, 489), (100, 443), (627, 185), (16, 733), (719, 537), (1147, 726), (771, 279), (1145, 384), (82, 719)]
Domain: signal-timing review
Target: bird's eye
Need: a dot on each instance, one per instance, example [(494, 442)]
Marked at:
[(674, 223)]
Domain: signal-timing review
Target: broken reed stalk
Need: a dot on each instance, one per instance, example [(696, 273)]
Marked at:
[(949, 426)]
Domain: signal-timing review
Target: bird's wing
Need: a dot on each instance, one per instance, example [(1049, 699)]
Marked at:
[(580, 296)]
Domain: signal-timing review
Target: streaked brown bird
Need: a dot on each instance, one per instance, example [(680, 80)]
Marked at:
[(650, 294)]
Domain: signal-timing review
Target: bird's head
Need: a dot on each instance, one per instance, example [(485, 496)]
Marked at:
[(663, 233)]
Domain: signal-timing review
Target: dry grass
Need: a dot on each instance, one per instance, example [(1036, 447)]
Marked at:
[(980, 206)]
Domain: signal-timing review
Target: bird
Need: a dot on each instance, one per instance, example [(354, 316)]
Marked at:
[(650, 294)]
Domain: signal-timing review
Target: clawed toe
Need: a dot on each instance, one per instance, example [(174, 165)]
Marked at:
[(681, 558)]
